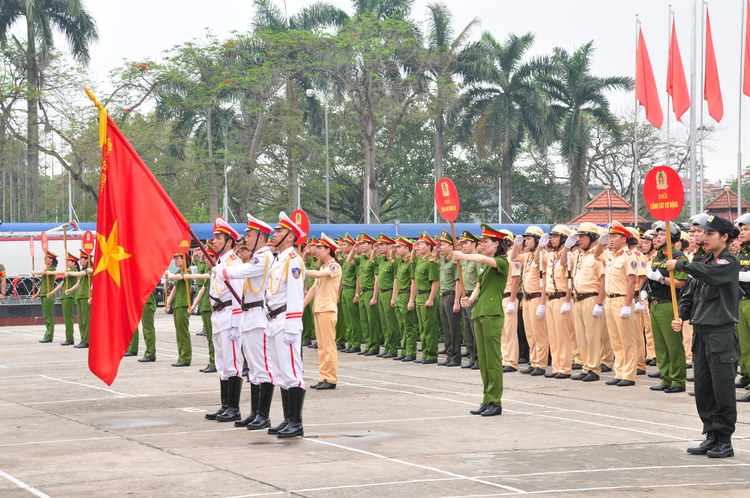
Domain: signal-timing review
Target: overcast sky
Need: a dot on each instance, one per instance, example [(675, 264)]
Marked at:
[(135, 29)]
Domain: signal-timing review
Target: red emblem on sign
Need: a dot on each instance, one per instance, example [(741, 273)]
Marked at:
[(45, 246), (446, 199), (88, 243), (299, 218), (663, 193)]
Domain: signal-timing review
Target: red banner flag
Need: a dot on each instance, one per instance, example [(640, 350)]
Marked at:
[(138, 231), (676, 83), (746, 75), (711, 86), (645, 84)]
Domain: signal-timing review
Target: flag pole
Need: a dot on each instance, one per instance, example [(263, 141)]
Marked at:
[(743, 47), (703, 101), (636, 179), (211, 260), (693, 130), (669, 98)]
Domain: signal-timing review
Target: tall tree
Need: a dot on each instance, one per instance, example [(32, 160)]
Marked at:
[(578, 101), (42, 17), (503, 104)]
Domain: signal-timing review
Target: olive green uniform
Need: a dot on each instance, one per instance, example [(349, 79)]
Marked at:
[(470, 271), (205, 309), (406, 318), (427, 271), (386, 271), (350, 310), (743, 327), (149, 331), (48, 303), (488, 318), (68, 302), (670, 353), (368, 315), (182, 321), (308, 322), (450, 320), (83, 308)]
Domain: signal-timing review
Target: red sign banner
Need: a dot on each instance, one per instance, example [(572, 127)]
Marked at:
[(446, 199), (663, 193), (45, 245), (299, 217), (88, 242)]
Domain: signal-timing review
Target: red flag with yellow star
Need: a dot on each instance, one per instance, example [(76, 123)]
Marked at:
[(138, 231)]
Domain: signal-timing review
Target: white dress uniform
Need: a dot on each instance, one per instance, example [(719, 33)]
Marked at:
[(254, 275), (225, 323), (284, 300)]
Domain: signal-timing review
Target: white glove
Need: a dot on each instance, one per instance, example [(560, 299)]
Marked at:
[(571, 241), (565, 308), (511, 307), (235, 333), (654, 275), (288, 337), (541, 310), (598, 310), (604, 239), (518, 241), (644, 295), (626, 312), (745, 276), (544, 240), (639, 306)]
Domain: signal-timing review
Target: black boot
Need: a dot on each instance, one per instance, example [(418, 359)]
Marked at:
[(262, 420), (285, 407), (233, 412), (710, 443), (224, 384), (723, 447), (294, 427), (254, 399)]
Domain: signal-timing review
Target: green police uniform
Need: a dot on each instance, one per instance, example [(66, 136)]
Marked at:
[(308, 322), (406, 318), (368, 315), (48, 303), (350, 309), (470, 271), (488, 319), (670, 353), (182, 320), (149, 331), (427, 271), (83, 308), (205, 308), (68, 302), (386, 271)]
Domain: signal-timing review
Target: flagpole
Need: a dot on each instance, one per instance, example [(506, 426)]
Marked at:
[(703, 86), (636, 178), (693, 78), (739, 108), (211, 260), (669, 98)]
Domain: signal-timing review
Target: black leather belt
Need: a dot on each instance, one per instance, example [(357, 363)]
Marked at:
[(615, 295), (531, 296), (348, 287), (556, 295), (220, 305), (364, 289), (448, 293), (403, 292), (585, 295), (249, 306), (386, 290), (274, 313), (659, 300), (423, 292)]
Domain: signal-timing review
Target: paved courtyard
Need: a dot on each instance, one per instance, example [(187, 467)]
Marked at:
[(390, 429)]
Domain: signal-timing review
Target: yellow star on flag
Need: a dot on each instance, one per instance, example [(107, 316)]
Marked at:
[(112, 254)]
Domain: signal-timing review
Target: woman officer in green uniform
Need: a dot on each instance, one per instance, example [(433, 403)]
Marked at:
[(488, 316), (67, 300), (48, 302), (180, 296)]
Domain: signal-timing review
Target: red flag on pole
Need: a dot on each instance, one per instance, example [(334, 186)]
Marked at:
[(711, 86), (746, 75), (645, 84), (138, 231), (676, 83)]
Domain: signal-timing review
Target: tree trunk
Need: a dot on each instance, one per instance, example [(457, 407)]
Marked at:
[(32, 126), (439, 135), (291, 134), (506, 187), (578, 187), (213, 191)]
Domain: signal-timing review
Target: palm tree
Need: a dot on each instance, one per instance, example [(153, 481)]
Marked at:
[(42, 17), (504, 105), (443, 53), (578, 102)]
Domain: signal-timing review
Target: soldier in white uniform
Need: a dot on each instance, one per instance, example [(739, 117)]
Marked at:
[(284, 304), (254, 275), (225, 321)]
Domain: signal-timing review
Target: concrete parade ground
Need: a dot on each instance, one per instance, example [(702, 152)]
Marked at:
[(389, 429)]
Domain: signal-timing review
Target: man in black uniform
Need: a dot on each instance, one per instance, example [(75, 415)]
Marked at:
[(712, 305)]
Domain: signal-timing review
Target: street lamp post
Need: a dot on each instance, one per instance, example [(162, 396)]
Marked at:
[(312, 93)]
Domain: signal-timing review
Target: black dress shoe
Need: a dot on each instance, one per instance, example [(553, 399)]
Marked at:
[(625, 383), (507, 369), (550, 375), (688, 366), (604, 368), (674, 389), (660, 387), (428, 362), (407, 359), (479, 410), (340, 347), (655, 375), (398, 358), (453, 364), (613, 382), (209, 369), (640, 372), (418, 361), (492, 410), (741, 384), (315, 386), (467, 365), (537, 372), (577, 366), (380, 355), (362, 353), (201, 333), (590, 377), (180, 364), (464, 355), (370, 353), (354, 350), (443, 363), (562, 376), (723, 449), (306, 343), (744, 399), (389, 355), (527, 370), (707, 444), (475, 366), (580, 376), (147, 359), (70, 343), (325, 385), (130, 353), (82, 345), (45, 340)]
